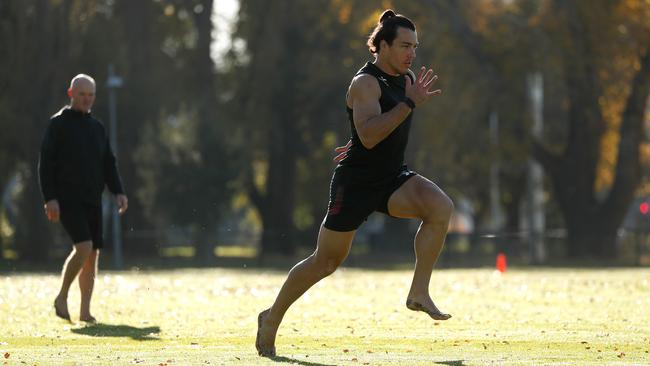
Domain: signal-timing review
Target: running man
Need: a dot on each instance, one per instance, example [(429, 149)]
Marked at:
[(76, 162), (371, 175)]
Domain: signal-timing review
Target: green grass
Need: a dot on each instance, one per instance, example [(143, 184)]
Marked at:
[(355, 317)]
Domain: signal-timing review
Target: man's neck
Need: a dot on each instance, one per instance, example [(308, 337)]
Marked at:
[(80, 110), (384, 66)]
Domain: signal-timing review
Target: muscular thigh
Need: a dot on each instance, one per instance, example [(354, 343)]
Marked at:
[(333, 244), (416, 198)]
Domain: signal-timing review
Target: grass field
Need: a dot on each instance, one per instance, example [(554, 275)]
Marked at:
[(355, 317)]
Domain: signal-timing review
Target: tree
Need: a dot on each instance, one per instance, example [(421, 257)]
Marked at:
[(285, 92), (594, 215), (578, 42)]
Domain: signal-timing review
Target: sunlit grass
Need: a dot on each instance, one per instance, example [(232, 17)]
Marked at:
[(355, 317), (221, 251)]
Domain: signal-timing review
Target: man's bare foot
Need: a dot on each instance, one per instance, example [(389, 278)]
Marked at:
[(265, 340), (88, 319), (428, 307), (61, 308)]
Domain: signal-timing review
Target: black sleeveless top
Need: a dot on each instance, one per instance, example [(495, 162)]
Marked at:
[(384, 161)]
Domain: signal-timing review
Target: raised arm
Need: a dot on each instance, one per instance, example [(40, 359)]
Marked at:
[(373, 126)]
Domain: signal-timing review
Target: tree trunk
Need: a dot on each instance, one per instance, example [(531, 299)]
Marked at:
[(279, 231), (272, 102), (137, 100), (591, 241), (592, 224), (205, 94)]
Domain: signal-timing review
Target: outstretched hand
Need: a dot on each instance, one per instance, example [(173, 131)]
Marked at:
[(342, 151), (419, 91)]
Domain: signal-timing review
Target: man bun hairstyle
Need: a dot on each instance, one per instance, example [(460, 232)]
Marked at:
[(386, 29), (385, 15)]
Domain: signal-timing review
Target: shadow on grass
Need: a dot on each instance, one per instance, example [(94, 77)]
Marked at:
[(293, 361), (451, 363), (110, 330)]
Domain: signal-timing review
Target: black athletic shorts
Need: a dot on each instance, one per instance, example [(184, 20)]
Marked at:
[(82, 221), (351, 203)]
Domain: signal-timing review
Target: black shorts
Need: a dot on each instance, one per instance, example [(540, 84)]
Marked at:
[(351, 203), (82, 221)]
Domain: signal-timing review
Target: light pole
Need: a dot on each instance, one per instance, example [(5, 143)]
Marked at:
[(497, 218), (113, 82), (536, 218)]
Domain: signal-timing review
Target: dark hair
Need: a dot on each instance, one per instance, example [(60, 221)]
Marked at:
[(386, 29)]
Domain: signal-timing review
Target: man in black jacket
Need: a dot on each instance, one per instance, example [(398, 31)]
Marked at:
[(76, 162)]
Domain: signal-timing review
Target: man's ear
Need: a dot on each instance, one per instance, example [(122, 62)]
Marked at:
[(383, 44), (70, 92)]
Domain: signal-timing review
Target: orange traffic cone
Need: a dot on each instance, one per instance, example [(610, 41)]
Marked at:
[(501, 262)]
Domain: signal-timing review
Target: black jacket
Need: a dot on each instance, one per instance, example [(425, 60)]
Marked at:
[(76, 159)]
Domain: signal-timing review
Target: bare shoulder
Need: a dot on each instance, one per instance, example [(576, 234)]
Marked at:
[(364, 85)]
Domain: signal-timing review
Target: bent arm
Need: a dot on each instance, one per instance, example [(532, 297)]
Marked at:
[(373, 126)]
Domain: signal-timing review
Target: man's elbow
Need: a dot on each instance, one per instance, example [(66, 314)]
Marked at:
[(367, 141)]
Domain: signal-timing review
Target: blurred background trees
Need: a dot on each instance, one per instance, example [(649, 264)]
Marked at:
[(235, 149)]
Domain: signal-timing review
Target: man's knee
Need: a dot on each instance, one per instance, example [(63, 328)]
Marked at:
[(84, 249), (328, 265), (332, 265), (438, 208)]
